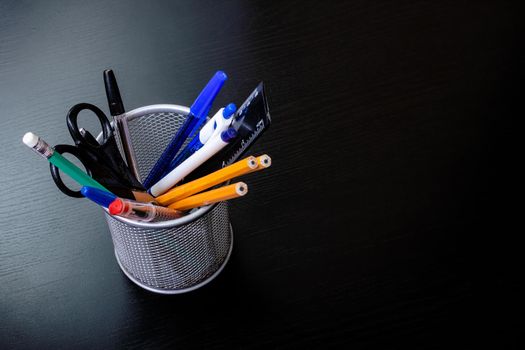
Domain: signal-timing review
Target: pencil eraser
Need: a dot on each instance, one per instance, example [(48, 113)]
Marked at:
[(30, 139)]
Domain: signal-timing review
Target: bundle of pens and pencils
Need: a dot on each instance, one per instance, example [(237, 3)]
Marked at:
[(183, 178)]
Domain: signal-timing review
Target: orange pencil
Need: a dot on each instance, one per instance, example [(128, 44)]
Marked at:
[(209, 197), (244, 166)]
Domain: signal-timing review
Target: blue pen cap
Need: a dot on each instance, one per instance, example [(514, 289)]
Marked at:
[(228, 135), (100, 197), (202, 104), (229, 110)]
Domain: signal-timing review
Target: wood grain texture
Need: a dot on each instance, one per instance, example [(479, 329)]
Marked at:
[(385, 220)]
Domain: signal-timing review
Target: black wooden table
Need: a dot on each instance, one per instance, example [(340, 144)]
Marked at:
[(385, 219)]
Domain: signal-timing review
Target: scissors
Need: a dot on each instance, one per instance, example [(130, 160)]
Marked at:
[(102, 160)]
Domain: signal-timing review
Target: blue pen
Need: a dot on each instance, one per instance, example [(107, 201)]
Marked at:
[(197, 116), (100, 197), (215, 125)]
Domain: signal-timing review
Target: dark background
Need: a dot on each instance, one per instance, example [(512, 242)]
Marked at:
[(385, 220)]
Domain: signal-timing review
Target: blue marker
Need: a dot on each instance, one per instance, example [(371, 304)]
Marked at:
[(197, 116), (100, 197), (217, 124)]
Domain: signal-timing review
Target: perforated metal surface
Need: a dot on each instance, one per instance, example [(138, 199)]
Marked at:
[(178, 257), (147, 148)]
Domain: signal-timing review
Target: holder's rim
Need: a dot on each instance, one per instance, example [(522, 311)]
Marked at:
[(157, 108), (186, 219)]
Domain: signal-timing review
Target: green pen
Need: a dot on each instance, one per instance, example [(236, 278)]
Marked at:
[(42, 148)]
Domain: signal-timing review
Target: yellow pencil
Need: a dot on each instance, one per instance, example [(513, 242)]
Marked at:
[(235, 190), (245, 166), (264, 161)]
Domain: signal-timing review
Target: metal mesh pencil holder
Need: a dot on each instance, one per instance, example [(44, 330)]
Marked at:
[(174, 256)]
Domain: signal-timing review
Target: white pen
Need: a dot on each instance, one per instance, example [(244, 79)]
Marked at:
[(221, 121), (217, 124), (209, 149)]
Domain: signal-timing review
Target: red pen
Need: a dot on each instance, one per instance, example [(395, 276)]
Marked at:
[(142, 211)]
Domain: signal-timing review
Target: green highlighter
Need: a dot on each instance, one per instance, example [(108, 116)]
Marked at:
[(42, 148)]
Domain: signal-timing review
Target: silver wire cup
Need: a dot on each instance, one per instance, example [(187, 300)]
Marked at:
[(174, 256)]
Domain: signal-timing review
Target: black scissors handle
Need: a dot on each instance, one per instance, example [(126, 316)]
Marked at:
[(103, 160), (55, 172), (72, 124)]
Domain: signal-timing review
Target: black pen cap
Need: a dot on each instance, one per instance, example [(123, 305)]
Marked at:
[(113, 94)]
